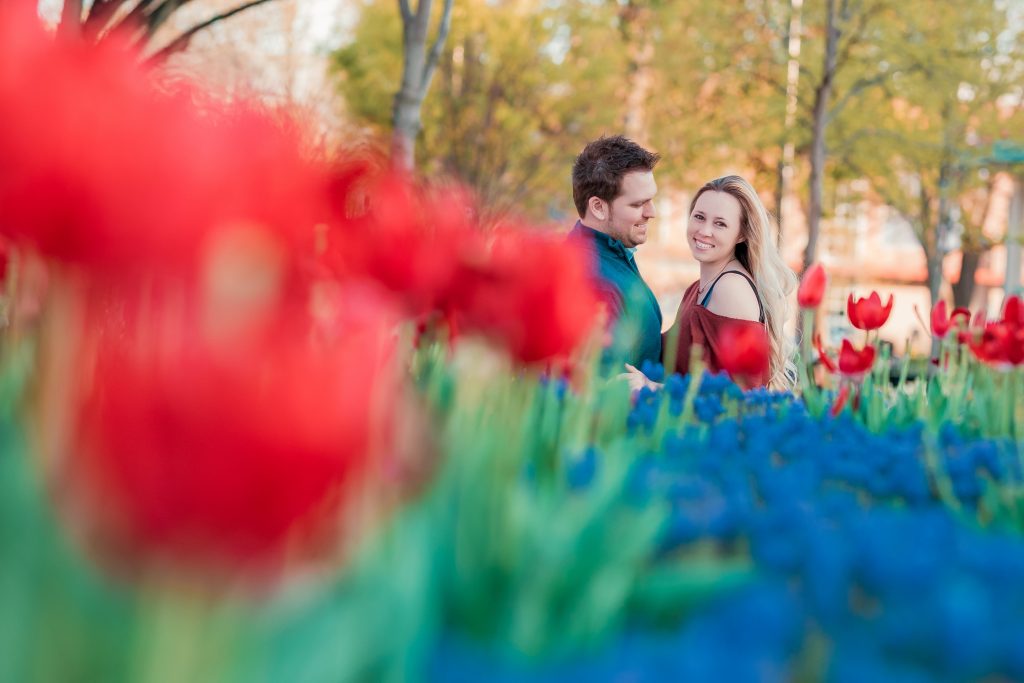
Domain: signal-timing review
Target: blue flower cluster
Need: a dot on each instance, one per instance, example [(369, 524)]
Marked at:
[(747, 637), (867, 574)]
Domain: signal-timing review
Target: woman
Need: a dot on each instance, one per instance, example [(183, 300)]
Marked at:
[(743, 282)]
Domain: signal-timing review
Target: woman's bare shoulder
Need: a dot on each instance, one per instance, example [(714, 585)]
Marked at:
[(733, 297)]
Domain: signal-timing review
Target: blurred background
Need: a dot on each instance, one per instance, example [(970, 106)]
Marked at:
[(887, 135)]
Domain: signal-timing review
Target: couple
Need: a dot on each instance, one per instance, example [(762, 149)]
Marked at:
[(743, 279)]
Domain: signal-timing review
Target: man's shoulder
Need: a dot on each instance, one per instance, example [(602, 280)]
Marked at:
[(582, 233)]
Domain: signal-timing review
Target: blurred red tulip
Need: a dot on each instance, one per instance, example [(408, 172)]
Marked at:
[(532, 294), (5, 257), (99, 169), (940, 321), (527, 291), (220, 451), (999, 344), (412, 243), (825, 360), (1013, 312), (868, 313), (812, 287), (743, 352), (958, 320), (854, 363), (840, 401)]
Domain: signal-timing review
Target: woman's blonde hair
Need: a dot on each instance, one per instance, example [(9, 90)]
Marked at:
[(774, 279)]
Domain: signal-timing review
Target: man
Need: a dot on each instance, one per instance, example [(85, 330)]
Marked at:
[(613, 188)]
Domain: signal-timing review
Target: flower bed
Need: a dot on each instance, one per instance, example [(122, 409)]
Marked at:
[(334, 431)]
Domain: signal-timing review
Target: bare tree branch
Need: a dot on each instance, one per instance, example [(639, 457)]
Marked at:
[(435, 49), (856, 89), (161, 13), (182, 41), (403, 7), (137, 18)]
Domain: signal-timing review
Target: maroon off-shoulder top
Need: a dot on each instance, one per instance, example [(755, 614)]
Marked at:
[(697, 325)]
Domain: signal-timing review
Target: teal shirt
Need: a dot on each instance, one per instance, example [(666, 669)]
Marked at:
[(632, 306)]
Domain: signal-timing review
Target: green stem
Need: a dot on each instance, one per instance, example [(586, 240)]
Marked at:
[(696, 377), (671, 352)]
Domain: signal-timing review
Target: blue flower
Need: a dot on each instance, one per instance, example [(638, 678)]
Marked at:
[(580, 471)]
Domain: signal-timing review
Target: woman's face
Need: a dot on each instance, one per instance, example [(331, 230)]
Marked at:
[(714, 228)]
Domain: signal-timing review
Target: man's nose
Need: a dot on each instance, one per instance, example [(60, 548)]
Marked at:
[(649, 210)]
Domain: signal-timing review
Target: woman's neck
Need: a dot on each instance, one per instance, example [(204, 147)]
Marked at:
[(709, 271)]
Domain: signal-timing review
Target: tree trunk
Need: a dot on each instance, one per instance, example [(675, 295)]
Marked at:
[(934, 261), (929, 237), (963, 290), (780, 194), (973, 245), (418, 66), (634, 21), (821, 98), (785, 178)]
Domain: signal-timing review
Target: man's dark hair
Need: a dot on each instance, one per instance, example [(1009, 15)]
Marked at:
[(599, 168)]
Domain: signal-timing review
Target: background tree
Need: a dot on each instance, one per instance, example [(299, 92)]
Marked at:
[(519, 87), (932, 127), (418, 66)]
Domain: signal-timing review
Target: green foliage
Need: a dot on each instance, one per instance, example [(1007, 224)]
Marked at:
[(503, 550), (51, 608), (519, 88)]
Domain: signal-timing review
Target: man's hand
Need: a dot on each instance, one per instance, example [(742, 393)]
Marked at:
[(637, 380)]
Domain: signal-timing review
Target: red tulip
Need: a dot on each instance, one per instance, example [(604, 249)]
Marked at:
[(812, 287), (854, 363), (940, 321), (868, 313), (1013, 312), (841, 398), (744, 353), (942, 324), (1015, 347), (527, 291), (412, 243), (532, 294), (221, 451), (999, 344), (5, 258), (825, 360), (101, 170)]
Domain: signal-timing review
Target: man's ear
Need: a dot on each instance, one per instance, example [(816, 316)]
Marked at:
[(598, 207)]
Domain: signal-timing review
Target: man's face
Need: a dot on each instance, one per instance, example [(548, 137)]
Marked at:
[(627, 215)]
